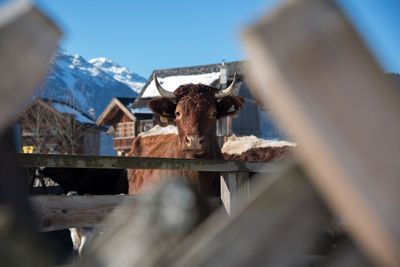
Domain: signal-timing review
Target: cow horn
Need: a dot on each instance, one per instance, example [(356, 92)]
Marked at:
[(162, 91), (227, 91)]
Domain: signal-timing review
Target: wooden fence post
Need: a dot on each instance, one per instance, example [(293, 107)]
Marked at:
[(235, 190), (279, 225), (27, 41), (323, 83)]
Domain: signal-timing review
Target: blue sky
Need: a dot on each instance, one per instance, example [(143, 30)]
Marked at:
[(149, 34)]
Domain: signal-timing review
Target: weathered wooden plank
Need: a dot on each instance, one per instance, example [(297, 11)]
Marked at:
[(108, 162), (324, 85), (235, 190), (27, 41), (277, 228), (62, 212), (142, 235), (347, 256), (17, 230)]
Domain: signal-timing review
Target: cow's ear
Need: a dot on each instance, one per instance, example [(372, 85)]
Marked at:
[(229, 105), (163, 107)]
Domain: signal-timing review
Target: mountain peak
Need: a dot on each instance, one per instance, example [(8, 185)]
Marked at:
[(90, 87), (121, 74), (98, 61)]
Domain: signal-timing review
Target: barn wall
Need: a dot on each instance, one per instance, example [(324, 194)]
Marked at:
[(125, 118), (247, 121), (270, 129)]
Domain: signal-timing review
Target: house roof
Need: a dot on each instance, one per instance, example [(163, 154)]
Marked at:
[(125, 105), (62, 108), (68, 109), (170, 83), (128, 103), (174, 77)]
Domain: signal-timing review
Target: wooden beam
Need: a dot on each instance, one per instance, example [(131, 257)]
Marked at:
[(347, 256), (80, 161), (142, 235), (63, 212), (324, 85), (277, 228), (235, 190), (27, 41)]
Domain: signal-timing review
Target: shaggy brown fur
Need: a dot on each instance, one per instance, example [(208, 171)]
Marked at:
[(195, 114)]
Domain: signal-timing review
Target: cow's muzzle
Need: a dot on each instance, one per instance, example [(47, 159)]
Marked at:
[(194, 144)]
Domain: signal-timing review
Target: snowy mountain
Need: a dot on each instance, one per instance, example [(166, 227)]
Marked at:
[(76, 81), (119, 73)]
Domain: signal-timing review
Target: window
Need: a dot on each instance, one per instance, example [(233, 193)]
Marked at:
[(146, 125), (125, 130)]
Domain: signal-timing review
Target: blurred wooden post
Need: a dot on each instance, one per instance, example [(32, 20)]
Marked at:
[(325, 86), (277, 228), (17, 228), (27, 41), (235, 190), (141, 235)]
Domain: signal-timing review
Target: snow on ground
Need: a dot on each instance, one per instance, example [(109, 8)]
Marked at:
[(171, 83), (159, 130), (238, 145)]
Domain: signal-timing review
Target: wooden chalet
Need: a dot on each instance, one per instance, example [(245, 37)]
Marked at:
[(246, 122), (54, 127), (125, 122)]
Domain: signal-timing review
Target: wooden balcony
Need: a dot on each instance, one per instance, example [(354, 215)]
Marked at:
[(123, 143)]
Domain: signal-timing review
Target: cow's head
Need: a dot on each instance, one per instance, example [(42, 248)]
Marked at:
[(195, 109)]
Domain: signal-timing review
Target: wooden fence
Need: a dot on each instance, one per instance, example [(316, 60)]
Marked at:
[(325, 87), (61, 212)]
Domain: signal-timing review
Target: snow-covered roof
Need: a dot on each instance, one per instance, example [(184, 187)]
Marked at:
[(171, 83), (125, 105), (64, 108), (144, 110)]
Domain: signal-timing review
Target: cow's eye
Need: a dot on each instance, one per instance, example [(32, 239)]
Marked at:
[(177, 114), (213, 114)]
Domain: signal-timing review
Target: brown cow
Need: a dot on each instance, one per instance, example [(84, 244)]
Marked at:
[(195, 109)]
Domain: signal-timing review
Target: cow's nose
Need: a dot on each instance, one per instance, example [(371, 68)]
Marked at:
[(194, 141)]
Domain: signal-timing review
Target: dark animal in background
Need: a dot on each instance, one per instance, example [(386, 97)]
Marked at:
[(89, 181), (195, 109)]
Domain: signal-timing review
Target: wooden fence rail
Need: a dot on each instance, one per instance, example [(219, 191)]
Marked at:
[(60, 212), (111, 162)]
